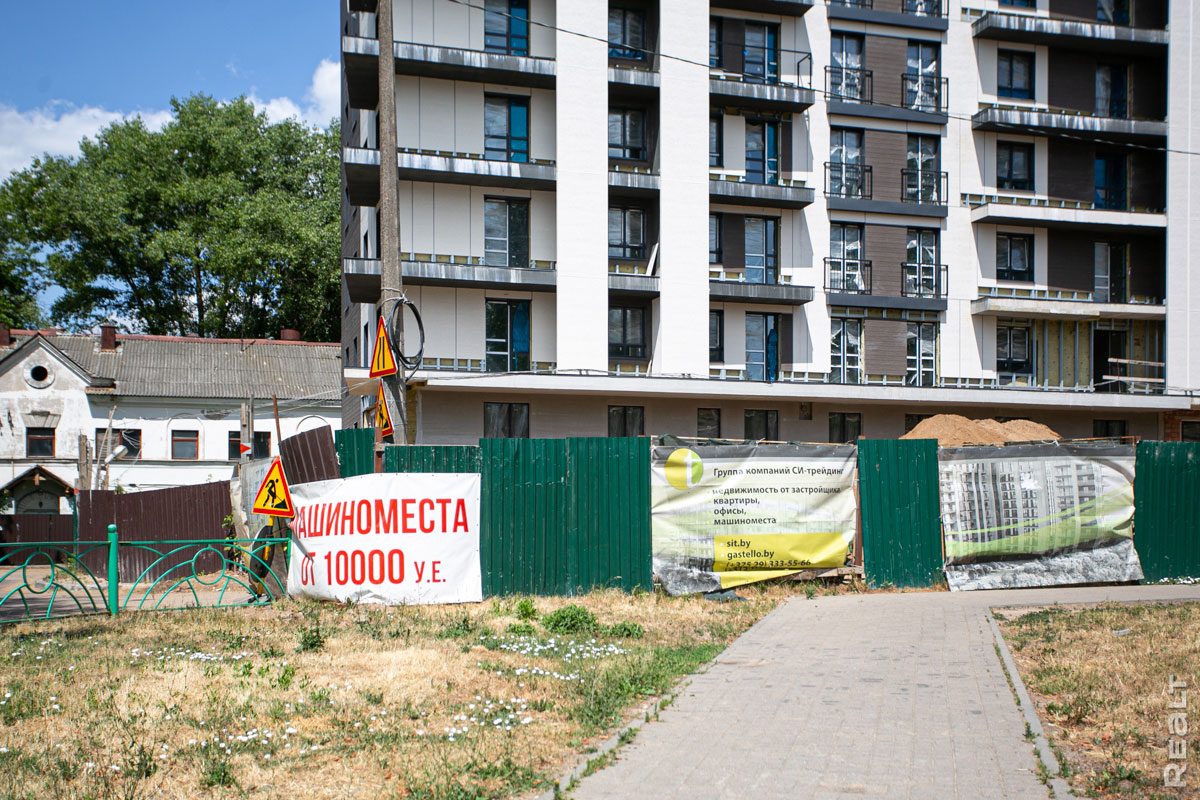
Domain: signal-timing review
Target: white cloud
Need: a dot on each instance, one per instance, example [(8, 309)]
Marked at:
[(322, 99)]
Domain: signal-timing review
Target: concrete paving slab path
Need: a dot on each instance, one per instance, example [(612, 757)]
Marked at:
[(856, 696)]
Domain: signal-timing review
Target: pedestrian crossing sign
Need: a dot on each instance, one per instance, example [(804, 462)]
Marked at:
[(273, 496), (382, 360), (383, 419)]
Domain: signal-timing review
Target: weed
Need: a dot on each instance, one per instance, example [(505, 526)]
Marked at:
[(286, 674), (810, 590), (216, 770), (525, 609), (311, 639), (520, 629), (461, 626), (627, 630), (570, 619)]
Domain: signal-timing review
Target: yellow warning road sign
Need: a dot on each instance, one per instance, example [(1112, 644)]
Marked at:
[(382, 361), (273, 496), (383, 419)]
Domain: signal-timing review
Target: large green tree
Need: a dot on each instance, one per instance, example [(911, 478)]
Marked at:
[(221, 224)]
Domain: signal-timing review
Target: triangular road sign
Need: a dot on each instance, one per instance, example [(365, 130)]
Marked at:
[(244, 448), (383, 419), (382, 361), (273, 496)]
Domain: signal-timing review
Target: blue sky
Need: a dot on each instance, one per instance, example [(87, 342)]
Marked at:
[(72, 67)]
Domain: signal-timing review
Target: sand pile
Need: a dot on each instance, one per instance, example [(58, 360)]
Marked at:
[(954, 430)]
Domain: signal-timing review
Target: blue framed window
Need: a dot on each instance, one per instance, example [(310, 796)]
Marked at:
[(505, 128), (506, 27)]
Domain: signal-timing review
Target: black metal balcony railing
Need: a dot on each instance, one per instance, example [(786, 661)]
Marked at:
[(848, 180), (923, 280), (848, 275), (852, 3), (849, 84), (924, 93), (924, 8), (923, 186)]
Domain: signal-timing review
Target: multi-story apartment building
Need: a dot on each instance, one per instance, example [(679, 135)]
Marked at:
[(909, 206)]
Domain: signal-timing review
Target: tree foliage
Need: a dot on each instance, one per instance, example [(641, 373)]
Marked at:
[(221, 224)]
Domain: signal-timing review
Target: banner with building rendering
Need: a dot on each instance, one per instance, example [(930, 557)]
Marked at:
[(726, 515), (1038, 515)]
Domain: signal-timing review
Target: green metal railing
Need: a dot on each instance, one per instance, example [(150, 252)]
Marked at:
[(48, 580)]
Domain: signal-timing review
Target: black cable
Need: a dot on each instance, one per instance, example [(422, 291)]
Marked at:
[(411, 363)]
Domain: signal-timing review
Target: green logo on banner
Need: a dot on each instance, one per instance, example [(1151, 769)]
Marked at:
[(684, 469)]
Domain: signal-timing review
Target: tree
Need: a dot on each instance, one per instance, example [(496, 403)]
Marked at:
[(221, 224), (21, 273)]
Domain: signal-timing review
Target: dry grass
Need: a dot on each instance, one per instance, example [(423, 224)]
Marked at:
[(386, 702), (1105, 696)]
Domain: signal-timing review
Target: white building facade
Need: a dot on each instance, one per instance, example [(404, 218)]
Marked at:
[(780, 219)]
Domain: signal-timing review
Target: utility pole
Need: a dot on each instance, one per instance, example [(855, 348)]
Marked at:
[(391, 284)]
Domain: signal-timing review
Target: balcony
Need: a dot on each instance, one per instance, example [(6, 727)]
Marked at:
[(921, 287), (736, 190), (1051, 213), (851, 181), (923, 280), (633, 181), (733, 287), (793, 8), (439, 166), (1037, 303), (362, 275), (1069, 33), (924, 14), (924, 186), (925, 93), (758, 81), (1005, 119), (849, 187), (850, 91)]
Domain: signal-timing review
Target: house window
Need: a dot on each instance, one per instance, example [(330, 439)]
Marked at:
[(1114, 12), (506, 232), (131, 438), (846, 267), (1110, 279), (626, 420), (846, 169), (762, 347), (1189, 431), (506, 345), (185, 445), (714, 239), (922, 354), (761, 249), (708, 423), (505, 128), (714, 42), (1110, 182), (716, 336), (627, 332), (1112, 90), (506, 420), (844, 427), (1014, 166), (506, 27), (261, 448), (762, 152), (922, 175), (39, 442), (627, 33), (761, 53), (1019, 3), (847, 79), (627, 133), (1012, 350), (715, 136), (845, 349), (1014, 74), (762, 424), (921, 267), (626, 233), (922, 79), (1014, 257), (1108, 428)]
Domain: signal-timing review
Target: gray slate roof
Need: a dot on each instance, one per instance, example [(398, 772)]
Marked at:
[(164, 366)]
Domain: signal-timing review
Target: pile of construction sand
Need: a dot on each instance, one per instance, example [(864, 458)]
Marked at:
[(953, 430)]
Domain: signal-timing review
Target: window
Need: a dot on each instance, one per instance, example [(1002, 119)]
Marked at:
[(762, 152), (1014, 74), (761, 53), (1189, 431), (1110, 182), (506, 27), (627, 133), (921, 269), (922, 354), (714, 42), (627, 332), (39, 442), (844, 427), (714, 239), (626, 233), (846, 267), (761, 248), (762, 424), (922, 79), (130, 437), (506, 232), (846, 170), (506, 345), (1110, 272), (715, 136), (1019, 3), (1112, 90), (845, 346), (716, 336), (913, 420), (626, 420), (1014, 166), (1114, 12), (505, 128), (762, 347), (922, 174), (847, 78), (1014, 257), (1108, 428), (708, 423), (1012, 350), (260, 449), (506, 420), (185, 445), (627, 33)]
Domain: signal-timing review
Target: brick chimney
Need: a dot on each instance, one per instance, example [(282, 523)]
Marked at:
[(289, 335), (108, 337), (5, 336)]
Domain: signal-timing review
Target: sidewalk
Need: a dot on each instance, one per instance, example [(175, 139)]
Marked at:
[(884, 695)]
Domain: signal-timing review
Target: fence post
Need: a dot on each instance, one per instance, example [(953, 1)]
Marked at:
[(113, 572)]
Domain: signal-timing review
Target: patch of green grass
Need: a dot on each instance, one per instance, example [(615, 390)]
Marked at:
[(462, 626), (18, 703), (570, 619), (626, 630), (521, 629), (311, 638)]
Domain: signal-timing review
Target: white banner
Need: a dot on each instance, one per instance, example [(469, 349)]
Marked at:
[(393, 538)]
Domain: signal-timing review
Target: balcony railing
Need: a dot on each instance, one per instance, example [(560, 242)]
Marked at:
[(848, 180), (923, 280), (761, 64), (924, 8), (848, 275), (852, 3), (923, 186), (924, 93), (849, 84)]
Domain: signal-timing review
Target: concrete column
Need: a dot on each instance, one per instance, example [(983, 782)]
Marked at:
[(1183, 201)]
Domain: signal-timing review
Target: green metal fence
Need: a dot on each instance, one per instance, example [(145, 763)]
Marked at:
[(1166, 516), (355, 451), (900, 508), (426, 458)]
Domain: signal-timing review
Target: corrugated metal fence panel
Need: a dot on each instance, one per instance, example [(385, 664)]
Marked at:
[(609, 532), (900, 509), (28, 528), (310, 456), (355, 451), (431, 458), (524, 516), (1166, 517)]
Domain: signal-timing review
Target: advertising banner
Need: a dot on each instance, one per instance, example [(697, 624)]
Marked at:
[(726, 515), (1038, 515), (387, 538)]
